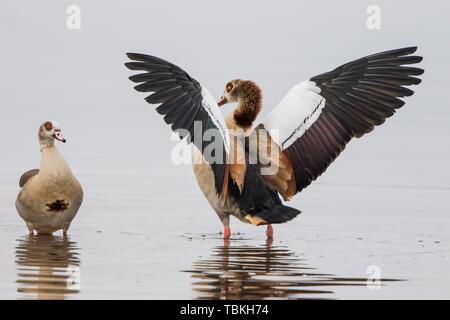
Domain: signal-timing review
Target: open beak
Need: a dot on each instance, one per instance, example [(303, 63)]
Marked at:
[(222, 101)]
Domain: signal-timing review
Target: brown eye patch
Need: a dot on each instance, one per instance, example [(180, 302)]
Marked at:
[(229, 86), (48, 126)]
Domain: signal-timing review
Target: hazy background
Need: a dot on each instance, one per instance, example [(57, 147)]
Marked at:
[(392, 181), (77, 76)]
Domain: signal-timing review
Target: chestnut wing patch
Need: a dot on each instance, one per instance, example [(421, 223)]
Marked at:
[(280, 177)]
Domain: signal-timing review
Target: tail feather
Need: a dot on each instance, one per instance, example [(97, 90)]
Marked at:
[(258, 201), (275, 214)]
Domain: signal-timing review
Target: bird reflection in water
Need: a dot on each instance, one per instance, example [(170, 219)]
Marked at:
[(48, 267), (262, 272)]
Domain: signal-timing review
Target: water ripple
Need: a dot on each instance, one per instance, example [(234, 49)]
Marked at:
[(263, 272), (48, 267)]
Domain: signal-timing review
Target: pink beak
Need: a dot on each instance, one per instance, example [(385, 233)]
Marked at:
[(222, 101), (58, 136)]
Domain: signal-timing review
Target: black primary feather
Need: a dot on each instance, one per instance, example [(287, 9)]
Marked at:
[(180, 98), (359, 95)]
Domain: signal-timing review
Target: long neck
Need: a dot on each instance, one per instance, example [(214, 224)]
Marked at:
[(53, 163), (45, 143), (249, 105)]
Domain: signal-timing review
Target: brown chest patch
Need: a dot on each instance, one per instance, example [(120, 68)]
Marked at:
[(57, 206)]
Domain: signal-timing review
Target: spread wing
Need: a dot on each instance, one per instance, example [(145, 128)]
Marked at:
[(187, 106), (27, 176), (317, 118)]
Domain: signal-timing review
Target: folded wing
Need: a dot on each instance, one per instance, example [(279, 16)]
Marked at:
[(27, 176)]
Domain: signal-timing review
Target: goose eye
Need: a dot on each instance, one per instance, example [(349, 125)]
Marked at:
[(229, 87)]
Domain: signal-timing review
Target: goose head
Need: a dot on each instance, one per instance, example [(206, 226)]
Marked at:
[(49, 131), (248, 96)]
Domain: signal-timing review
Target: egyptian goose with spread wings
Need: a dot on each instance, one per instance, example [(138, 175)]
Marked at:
[(243, 171)]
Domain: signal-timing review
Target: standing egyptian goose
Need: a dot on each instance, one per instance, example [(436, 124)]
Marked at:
[(242, 171), (49, 197)]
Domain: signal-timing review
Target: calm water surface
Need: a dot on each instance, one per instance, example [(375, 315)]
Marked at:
[(165, 243)]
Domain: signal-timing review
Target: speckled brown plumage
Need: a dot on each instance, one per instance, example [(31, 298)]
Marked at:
[(250, 102)]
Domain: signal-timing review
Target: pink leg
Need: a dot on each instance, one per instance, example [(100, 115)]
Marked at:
[(66, 229), (30, 228), (226, 232), (269, 231)]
